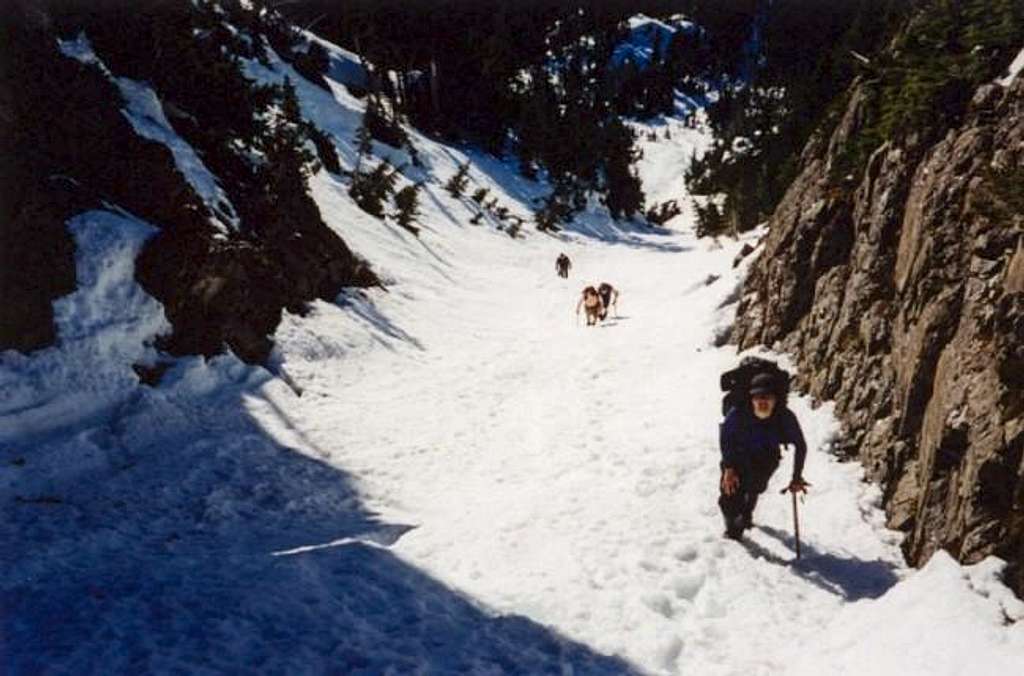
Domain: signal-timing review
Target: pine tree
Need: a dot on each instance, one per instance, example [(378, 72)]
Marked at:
[(364, 143), (625, 195), (555, 211), (710, 220), (456, 185), (381, 127), (407, 201), (370, 190), (325, 149)]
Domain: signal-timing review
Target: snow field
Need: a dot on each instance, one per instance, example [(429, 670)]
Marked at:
[(470, 482), (569, 473)]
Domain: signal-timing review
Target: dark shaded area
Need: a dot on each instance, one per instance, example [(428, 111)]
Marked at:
[(65, 149), (218, 291), (849, 577), (807, 59), (177, 548), (37, 261)]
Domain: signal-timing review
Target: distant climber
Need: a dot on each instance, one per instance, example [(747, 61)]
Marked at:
[(609, 297), (757, 423), (562, 265), (591, 303)]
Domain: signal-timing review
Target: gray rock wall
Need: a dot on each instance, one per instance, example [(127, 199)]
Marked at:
[(901, 294)]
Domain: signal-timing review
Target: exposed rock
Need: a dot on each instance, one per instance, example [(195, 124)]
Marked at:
[(67, 147), (744, 252), (903, 300), (37, 263)]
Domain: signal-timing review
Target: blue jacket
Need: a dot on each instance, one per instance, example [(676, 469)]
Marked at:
[(744, 439)]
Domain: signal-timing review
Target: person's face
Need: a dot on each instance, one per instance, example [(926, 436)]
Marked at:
[(763, 404)]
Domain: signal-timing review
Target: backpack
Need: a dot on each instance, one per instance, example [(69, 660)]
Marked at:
[(736, 382)]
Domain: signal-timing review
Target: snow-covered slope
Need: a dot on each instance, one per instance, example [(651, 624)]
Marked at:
[(1013, 70), (447, 475), (649, 39)]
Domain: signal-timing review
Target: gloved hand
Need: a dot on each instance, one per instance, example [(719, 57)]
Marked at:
[(797, 485), (730, 481)]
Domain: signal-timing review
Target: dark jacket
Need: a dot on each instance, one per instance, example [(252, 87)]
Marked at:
[(747, 441)]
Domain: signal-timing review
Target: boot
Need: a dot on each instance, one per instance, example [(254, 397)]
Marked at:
[(734, 526), (748, 510)]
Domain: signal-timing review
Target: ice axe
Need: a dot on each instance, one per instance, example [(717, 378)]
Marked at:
[(796, 518)]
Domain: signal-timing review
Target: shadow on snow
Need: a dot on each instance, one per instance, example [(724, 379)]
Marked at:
[(849, 577), (362, 307), (632, 234), (161, 558), (530, 194)]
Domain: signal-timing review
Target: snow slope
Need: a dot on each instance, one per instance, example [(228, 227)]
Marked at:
[(1013, 70), (451, 475), (647, 35)]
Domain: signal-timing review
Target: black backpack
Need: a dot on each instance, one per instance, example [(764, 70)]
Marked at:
[(736, 382)]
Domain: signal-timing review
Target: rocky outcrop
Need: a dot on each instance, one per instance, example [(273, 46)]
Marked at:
[(901, 294), (67, 147)]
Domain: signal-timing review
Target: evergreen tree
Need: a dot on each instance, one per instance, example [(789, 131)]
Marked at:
[(371, 190), (407, 201), (625, 196), (456, 185), (710, 220), (382, 127), (364, 144)]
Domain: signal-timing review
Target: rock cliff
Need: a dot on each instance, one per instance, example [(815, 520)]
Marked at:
[(900, 292), (67, 147)]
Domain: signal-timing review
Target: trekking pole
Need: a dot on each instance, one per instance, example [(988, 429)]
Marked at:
[(796, 522), (796, 526)]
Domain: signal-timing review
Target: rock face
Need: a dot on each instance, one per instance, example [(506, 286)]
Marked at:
[(67, 147), (901, 295)]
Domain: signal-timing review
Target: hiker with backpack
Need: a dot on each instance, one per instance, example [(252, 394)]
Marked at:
[(591, 302), (609, 298), (562, 265), (757, 423)]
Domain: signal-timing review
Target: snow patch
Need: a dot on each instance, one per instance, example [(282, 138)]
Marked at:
[(646, 35), (344, 67), (943, 619), (1013, 71), (80, 49), (103, 328)]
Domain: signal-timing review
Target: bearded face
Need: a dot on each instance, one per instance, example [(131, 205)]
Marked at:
[(763, 405)]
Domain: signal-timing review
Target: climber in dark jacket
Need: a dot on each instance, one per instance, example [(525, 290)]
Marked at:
[(750, 439)]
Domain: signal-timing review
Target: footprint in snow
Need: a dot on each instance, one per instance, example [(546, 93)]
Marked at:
[(686, 553), (660, 604), (686, 587), (668, 654)]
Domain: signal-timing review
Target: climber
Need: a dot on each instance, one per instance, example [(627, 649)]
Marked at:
[(750, 438), (562, 265), (591, 302)]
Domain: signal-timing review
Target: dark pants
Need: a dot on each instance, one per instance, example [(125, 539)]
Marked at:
[(738, 508)]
